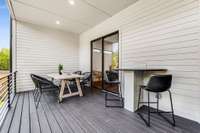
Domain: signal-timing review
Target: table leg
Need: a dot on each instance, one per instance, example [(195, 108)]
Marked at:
[(79, 87), (63, 82), (67, 82)]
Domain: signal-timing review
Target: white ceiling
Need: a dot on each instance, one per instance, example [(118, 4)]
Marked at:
[(77, 18)]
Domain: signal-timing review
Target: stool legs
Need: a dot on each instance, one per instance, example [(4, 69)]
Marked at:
[(147, 122), (139, 98), (170, 95), (157, 103), (119, 98), (106, 97)]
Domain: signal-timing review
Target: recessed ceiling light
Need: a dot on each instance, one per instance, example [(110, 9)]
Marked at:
[(57, 22), (71, 2)]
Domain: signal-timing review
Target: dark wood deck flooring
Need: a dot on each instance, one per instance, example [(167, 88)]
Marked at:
[(82, 115)]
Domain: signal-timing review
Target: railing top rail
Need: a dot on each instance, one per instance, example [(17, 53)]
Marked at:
[(9, 74)]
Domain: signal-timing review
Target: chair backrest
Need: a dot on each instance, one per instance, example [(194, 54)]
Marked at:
[(87, 76), (111, 76), (77, 72), (39, 81), (36, 83), (159, 83)]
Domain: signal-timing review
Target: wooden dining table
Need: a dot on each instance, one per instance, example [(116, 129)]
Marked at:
[(65, 80)]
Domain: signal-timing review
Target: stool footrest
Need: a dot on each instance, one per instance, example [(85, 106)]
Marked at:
[(115, 106), (148, 102), (161, 112), (113, 99)]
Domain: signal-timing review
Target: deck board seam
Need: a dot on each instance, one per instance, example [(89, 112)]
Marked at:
[(65, 119), (37, 116), (38, 121), (74, 118), (13, 114), (45, 114), (77, 115), (29, 114), (53, 115), (19, 130), (78, 124)]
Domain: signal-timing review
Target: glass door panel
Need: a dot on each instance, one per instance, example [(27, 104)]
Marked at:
[(97, 64), (111, 60)]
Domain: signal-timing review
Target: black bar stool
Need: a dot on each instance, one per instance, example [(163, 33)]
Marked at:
[(112, 78), (157, 84)]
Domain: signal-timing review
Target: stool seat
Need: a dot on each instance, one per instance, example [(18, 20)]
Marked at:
[(148, 89)]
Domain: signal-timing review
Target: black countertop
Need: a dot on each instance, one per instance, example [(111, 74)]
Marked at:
[(140, 69)]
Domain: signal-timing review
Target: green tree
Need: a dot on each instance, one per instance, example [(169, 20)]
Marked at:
[(4, 59), (115, 58)]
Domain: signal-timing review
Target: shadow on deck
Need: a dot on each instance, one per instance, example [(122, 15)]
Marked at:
[(82, 115)]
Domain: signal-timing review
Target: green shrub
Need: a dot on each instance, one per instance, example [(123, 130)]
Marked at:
[(4, 59)]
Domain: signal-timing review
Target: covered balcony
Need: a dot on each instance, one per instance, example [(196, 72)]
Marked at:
[(102, 66)]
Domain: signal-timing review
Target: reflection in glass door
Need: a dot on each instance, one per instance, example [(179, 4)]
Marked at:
[(111, 61), (104, 59), (97, 64)]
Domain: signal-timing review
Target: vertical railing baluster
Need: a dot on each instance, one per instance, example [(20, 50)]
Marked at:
[(8, 91), (15, 86)]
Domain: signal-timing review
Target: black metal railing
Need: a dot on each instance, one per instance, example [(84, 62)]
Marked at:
[(7, 93)]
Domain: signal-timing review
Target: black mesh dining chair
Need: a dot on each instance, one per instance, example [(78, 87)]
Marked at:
[(42, 85), (157, 84), (85, 81), (112, 78), (72, 82)]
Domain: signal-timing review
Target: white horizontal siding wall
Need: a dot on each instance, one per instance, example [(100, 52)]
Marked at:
[(39, 50), (158, 34)]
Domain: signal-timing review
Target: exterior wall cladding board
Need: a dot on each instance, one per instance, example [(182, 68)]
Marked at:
[(158, 34), (40, 50)]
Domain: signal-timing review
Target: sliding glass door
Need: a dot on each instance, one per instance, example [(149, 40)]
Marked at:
[(104, 59)]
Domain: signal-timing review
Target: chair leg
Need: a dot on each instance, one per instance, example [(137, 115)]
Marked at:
[(121, 97), (138, 106), (34, 91), (35, 95), (106, 99), (122, 101), (148, 110), (157, 103), (170, 95), (38, 99)]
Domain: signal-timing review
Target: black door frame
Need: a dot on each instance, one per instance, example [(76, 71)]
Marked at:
[(91, 55), (11, 46)]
